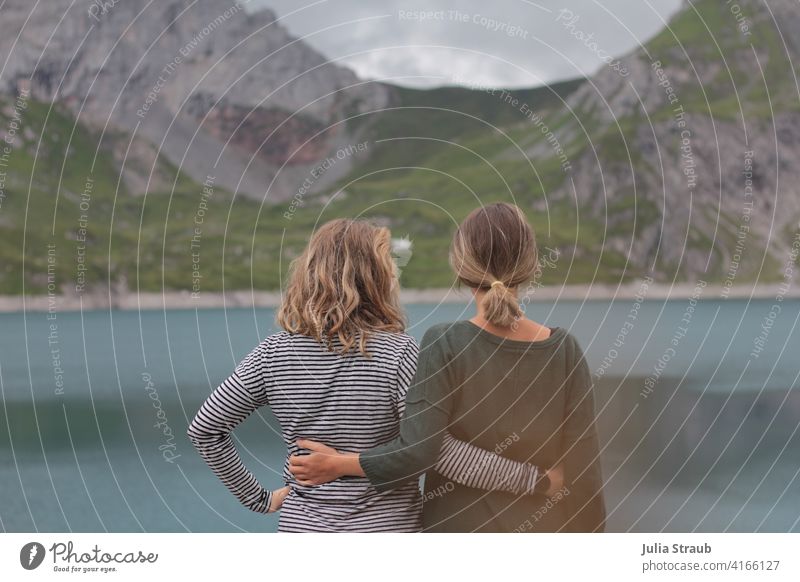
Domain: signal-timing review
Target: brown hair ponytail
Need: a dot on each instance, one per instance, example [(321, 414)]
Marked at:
[(494, 249)]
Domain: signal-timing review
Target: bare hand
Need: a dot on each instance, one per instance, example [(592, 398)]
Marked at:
[(321, 466), (277, 498), (556, 475)]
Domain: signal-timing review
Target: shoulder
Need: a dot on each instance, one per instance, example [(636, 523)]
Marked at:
[(393, 341), (572, 345), (448, 338), (442, 340), (574, 357), (401, 340), (392, 348), (442, 332), (270, 347), (275, 340), (252, 369)]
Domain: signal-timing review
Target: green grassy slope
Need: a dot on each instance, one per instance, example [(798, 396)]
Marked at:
[(434, 156), (146, 240)]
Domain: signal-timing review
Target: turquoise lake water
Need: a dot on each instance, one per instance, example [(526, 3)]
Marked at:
[(79, 449)]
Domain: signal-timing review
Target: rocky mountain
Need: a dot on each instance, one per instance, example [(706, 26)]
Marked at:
[(676, 162), (213, 88), (705, 127)]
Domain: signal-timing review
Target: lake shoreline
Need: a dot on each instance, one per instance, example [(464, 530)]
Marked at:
[(638, 290)]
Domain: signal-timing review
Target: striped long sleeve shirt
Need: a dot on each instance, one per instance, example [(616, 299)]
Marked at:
[(351, 403)]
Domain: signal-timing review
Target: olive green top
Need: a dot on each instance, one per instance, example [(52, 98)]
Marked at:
[(528, 401)]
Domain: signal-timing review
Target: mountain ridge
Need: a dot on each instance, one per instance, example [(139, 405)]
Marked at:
[(634, 199), (126, 70)]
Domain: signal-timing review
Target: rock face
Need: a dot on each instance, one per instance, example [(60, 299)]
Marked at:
[(705, 128), (688, 161), (220, 91)]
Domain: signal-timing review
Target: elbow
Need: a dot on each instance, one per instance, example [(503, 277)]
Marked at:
[(420, 458), (396, 469), (191, 430), (195, 433), (426, 459), (205, 438)]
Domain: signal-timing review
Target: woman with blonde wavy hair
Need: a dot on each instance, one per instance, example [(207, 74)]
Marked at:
[(497, 380), (338, 373)]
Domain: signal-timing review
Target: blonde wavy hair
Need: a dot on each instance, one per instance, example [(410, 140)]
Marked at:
[(494, 249), (344, 285)]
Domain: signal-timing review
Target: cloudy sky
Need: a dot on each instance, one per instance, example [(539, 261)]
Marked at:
[(500, 43)]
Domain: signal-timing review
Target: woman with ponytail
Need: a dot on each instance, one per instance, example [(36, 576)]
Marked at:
[(338, 372), (499, 381)]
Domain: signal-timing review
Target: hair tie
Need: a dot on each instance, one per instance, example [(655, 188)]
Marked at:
[(496, 283)]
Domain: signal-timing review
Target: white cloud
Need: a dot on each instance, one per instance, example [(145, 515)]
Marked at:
[(504, 43)]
